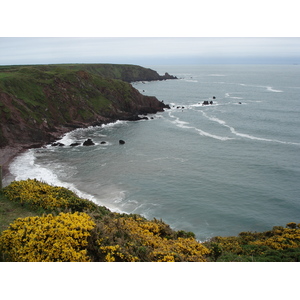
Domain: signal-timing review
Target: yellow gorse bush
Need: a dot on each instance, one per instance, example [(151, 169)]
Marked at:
[(61, 238), (140, 236), (41, 195), (230, 244), (282, 239), (274, 243)]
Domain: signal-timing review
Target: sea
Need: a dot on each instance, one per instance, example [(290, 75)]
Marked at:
[(216, 170)]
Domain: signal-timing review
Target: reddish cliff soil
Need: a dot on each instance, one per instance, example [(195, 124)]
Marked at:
[(80, 99)]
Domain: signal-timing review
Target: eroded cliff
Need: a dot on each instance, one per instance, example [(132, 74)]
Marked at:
[(39, 103)]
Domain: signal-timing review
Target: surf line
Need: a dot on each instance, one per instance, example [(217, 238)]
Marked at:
[(183, 124), (244, 135), (269, 88)]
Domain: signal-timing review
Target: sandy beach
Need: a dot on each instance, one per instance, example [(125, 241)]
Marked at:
[(7, 155)]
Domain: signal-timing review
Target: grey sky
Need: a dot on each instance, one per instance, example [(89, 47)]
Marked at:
[(148, 50)]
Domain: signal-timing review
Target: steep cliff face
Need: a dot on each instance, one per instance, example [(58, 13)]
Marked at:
[(40, 103)]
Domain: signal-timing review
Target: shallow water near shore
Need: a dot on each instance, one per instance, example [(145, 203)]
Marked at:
[(215, 170)]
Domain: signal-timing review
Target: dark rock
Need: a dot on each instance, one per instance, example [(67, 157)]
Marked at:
[(133, 118), (214, 97), (102, 143), (207, 102), (88, 142), (75, 144), (167, 76), (57, 144), (121, 142)]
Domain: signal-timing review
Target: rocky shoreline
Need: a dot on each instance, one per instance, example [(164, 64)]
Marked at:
[(39, 104), (9, 153)]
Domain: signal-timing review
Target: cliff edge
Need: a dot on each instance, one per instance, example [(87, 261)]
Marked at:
[(39, 103)]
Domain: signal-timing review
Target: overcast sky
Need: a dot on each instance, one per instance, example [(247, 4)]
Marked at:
[(149, 33), (148, 50)]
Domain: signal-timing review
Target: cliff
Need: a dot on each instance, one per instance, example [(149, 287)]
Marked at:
[(39, 103)]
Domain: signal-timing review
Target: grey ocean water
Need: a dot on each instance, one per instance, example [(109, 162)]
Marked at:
[(215, 170)]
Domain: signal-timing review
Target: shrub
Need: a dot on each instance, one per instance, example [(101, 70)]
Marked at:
[(292, 225), (278, 244), (37, 195), (48, 238), (136, 239)]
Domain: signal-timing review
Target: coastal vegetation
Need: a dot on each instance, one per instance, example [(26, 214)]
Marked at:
[(54, 224), (84, 231), (40, 222), (40, 102)]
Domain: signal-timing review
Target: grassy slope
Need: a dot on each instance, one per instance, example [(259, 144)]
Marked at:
[(46, 97), (9, 211), (37, 87)]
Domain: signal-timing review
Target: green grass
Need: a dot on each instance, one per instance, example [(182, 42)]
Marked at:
[(9, 211)]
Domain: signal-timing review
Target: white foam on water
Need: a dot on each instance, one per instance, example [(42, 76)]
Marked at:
[(67, 139), (228, 95), (190, 80), (24, 167), (119, 197), (221, 138), (145, 209), (113, 124), (78, 135), (248, 136), (216, 75), (183, 124), (200, 104), (271, 89), (244, 135)]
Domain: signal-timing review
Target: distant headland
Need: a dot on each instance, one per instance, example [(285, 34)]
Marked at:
[(39, 103)]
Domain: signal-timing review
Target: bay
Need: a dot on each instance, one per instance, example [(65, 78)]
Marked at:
[(212, 169)]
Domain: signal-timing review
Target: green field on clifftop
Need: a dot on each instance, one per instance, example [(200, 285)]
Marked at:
[(39, 100)]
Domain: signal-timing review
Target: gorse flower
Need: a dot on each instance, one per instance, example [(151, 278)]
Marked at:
[(137, 239), (279, 244), (84, 231), (48, 238), (41, 195), (94, 235)]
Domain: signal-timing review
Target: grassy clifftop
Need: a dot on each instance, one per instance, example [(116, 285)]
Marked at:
[(39, 103), (128, 73)]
